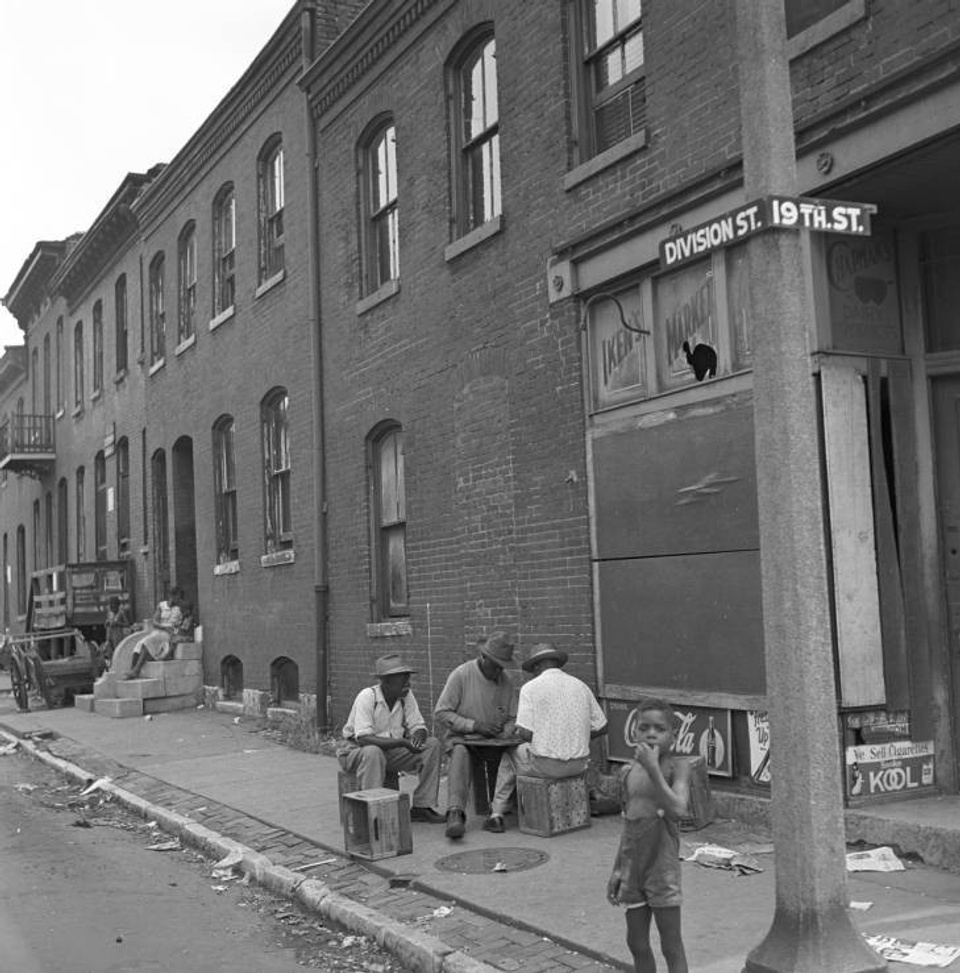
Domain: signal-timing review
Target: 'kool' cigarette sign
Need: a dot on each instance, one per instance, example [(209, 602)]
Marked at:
[(800, 213), (896, 767)]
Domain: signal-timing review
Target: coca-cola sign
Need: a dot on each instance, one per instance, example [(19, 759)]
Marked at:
[(700, 731)]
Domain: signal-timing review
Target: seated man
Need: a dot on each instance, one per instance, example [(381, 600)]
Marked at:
[(477, 701), (557, 717), (385, 731)]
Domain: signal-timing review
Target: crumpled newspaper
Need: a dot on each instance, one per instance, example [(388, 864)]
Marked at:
[(716, 856)]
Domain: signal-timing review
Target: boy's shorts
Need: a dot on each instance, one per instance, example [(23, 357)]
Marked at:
[(649, 863)]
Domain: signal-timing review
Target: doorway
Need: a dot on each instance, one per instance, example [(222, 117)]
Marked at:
[(185, 520), (946, 411)]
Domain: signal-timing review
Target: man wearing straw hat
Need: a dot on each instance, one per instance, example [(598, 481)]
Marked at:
[(478, 704), (557, 717), (385, 731)]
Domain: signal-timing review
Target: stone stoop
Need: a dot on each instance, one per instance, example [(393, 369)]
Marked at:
[(117, 708), (162, 688), (139, 688)]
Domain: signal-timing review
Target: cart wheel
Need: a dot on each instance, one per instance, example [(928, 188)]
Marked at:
[(41, 682), (18, 680)]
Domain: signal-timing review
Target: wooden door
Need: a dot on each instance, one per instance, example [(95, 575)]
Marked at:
[(946, 402)]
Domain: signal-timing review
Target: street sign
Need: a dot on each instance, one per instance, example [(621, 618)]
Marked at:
[(769, 212)]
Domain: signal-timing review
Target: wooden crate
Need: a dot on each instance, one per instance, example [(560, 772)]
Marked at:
[(548, 807), (347, 782), (700, 810), (376, 823)]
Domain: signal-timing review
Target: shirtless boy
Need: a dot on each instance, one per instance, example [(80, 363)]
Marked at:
[(655, 789)]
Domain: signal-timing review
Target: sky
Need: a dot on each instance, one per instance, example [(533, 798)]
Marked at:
[(91, 91)]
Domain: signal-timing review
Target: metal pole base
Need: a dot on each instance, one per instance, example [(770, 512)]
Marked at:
[(824, 942)]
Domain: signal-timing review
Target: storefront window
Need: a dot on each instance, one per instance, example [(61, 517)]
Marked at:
[(695, 327), (618, 355), (685, 326)]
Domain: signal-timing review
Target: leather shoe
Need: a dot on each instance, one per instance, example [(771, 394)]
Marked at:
[(494, 823), (426, 815), (456, 824)]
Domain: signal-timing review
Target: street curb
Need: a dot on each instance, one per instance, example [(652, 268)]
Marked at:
[(413, 947)]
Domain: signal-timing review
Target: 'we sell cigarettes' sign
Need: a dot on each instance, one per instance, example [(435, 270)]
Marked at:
[(879, 769)]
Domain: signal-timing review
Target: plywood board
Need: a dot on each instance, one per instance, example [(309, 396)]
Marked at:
[(680, 483), (847, 447)]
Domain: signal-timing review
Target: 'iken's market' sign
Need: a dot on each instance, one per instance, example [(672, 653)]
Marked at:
[(800, 213)]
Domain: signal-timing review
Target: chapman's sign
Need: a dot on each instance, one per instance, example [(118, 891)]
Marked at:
[(792, 213)]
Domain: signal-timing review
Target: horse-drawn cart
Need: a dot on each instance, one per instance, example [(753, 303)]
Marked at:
[(32, 670), (61, 654)]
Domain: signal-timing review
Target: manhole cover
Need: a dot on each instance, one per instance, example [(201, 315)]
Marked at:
[(485, 860)]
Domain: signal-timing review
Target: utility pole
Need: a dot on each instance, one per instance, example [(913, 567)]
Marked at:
[(811, 930)]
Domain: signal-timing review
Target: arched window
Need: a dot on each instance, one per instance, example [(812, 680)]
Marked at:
[(47, 401), (97, 346), (380, 231), (225, 490), (224, 249), (123, 496), (81, 514), (35, 381), (270, 195), (58, 364), (284, 681), (158, 315), (48, 529), (477, 134), (37, 537), (120, 321), (21, 570), (389, 521), (78, 365), (275, 436), (186, 283), (6, 582), (231, 677), (100, 505), (63, 523)]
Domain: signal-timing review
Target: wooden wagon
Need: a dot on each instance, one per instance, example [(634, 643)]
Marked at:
[(62, 651)]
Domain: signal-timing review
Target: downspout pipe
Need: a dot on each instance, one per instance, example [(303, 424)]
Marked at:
[(320, 579)]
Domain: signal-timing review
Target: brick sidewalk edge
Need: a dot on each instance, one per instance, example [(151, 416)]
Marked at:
[(414, 948)]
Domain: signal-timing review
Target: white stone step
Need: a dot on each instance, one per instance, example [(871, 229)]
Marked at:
[(167, 704), (118, 708), (139, 688)]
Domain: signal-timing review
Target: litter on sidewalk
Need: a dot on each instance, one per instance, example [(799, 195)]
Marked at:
[(881, 859), (917, 954), (716, 856), (173, 845), (225, 868)]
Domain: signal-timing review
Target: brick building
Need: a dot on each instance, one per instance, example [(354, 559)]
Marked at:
[(457, 397)]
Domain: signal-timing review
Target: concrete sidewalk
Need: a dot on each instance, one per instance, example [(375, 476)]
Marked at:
[(547, 911)]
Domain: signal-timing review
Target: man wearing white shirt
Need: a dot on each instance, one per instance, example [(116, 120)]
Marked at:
[(385, 731), (557, 717)]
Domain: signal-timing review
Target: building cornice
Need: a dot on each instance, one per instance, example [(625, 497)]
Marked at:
[(275, 65), (13, 367), (28, 290), (381, 30), (110, 233)]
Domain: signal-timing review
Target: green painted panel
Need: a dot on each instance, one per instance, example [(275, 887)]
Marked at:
[(693, 622)]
